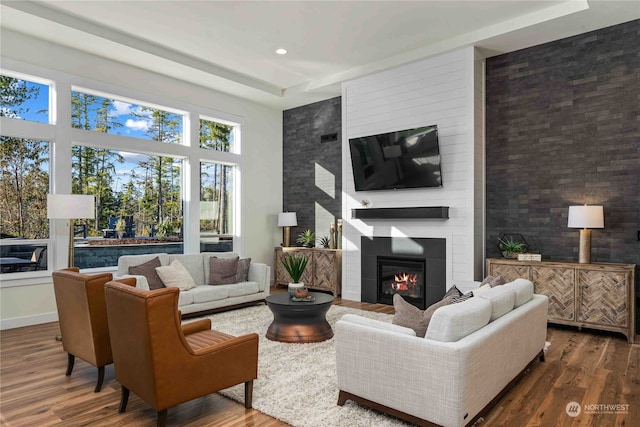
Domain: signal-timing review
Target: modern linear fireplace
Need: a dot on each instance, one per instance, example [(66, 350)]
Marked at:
[(412, 267), (404, 276)]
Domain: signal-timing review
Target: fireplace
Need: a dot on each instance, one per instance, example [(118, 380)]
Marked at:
[(385, 257), (404, 276)]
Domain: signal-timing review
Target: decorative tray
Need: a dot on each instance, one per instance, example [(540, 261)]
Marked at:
[(309, 298)]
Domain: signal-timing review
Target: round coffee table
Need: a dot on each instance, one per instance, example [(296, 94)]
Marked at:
[(299, 322)]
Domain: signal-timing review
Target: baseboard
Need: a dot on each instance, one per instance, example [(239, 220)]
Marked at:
[(36, 319)]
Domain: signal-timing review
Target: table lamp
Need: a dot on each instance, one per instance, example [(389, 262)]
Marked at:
[(287, 220), (71, 207), (585, 217)]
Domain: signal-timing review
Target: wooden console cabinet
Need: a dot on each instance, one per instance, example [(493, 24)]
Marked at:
[(323, 272), (597, 296)]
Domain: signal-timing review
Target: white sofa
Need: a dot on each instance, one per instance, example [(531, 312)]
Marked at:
[(471, 353), (204, 298)]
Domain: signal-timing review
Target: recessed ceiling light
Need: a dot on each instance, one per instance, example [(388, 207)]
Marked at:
[(281, 51)]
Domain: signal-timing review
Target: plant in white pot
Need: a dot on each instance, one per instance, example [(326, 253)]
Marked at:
[(295, 265)]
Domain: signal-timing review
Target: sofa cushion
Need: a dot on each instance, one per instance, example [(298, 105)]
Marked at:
[(193, 264), (185, 297), (244, 288), (493, 281), (523, 289), (410, 316), (223, 271), (176, 275), (455, 321), (126, 261), (501, 299), (148, 270), (243, 270), (208, 293)]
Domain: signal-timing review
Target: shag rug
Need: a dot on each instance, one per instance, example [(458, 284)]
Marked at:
[(297, 382)]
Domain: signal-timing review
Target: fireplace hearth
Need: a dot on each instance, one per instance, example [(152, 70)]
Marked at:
[(418, 263), (404, 276)]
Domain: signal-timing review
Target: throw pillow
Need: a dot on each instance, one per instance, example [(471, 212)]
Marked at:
[(493, 281), (462, 298), (412, 317), (148, 270), (243, 270), (175, 275), (482, 289), (223, 271), (452, 292)]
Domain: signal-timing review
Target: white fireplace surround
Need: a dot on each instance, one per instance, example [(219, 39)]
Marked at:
[(447, 91)]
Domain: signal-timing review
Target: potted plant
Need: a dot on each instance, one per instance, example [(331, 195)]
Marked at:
[(295, 265), (121, 226), (307, 238), (510, 247)]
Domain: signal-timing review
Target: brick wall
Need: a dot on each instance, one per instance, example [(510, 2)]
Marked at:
[(563, 128), (312, 170)]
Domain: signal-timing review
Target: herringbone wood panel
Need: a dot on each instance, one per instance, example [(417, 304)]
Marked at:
[(509, 272), (559, 285), (602, 298)]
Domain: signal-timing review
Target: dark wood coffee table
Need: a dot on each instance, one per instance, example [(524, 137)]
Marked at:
[(299, 322)]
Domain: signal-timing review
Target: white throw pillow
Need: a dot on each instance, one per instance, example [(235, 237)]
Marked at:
[(175, 275), (482, 289)]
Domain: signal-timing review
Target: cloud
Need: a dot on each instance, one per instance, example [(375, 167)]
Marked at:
[(137, 124), (121, 108)]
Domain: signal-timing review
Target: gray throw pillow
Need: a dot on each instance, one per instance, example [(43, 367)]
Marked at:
[(243, 270), (493, 281), (148, 270), (410, 316), (223, 271)]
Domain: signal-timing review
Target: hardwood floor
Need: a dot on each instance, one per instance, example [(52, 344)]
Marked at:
[(590, 368)]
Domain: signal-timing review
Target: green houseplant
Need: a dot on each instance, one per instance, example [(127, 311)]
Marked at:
[(510, 248), (295, 265), (307, 238)]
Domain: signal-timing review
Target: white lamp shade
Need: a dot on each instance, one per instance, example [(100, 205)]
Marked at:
[(70, 206), (287, 219), (586, 217)]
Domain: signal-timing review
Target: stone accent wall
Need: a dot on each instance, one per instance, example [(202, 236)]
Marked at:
[(563, 128), (312, 170)]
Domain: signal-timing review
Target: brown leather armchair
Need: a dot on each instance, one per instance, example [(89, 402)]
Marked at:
[(165, 363), (82, 315)]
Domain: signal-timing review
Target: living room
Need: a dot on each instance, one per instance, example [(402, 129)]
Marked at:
[(520, 177)]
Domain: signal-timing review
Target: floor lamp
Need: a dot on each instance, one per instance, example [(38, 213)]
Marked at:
[(71, 207)]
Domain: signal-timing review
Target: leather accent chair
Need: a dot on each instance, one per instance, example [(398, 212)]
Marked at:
[(166, 363), (82, 314)]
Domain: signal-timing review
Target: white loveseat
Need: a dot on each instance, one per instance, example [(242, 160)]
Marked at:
[(204, 298), (471, 352)]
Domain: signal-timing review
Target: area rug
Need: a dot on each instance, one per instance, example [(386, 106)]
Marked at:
[(297, 382)]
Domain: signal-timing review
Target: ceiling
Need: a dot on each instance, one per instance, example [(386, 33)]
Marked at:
[(230, 46)]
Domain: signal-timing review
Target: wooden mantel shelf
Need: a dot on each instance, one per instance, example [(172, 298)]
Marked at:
[(421, 212)]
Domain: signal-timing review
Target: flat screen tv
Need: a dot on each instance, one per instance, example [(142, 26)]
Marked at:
[(403, 159)]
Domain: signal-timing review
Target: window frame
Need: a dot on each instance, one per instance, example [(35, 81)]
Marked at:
[(61, 136)]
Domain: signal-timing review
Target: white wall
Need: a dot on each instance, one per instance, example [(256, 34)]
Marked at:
[(24, 302), (444, 91)]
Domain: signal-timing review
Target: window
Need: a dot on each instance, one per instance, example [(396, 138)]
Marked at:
[(217, 136), (24, 184), (24, 99), (216, 206), (106, 115)]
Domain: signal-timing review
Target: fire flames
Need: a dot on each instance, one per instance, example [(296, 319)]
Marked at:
[(404, 282)]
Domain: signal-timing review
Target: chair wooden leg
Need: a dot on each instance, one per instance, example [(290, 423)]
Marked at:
[(342, 398), (70, 361), (162, 418), (248, 394), (100, 379), (124, 398)]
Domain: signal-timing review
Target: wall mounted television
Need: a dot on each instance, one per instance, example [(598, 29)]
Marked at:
[(403, 159)]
